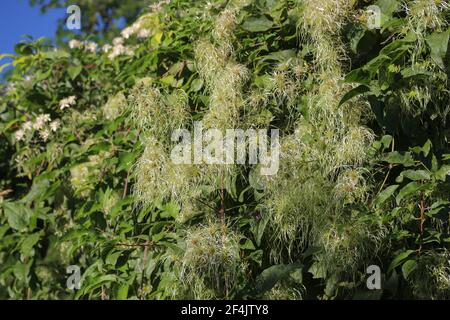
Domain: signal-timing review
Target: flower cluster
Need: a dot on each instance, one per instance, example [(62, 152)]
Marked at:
[(67, 102), (43, 124), (91, 46), (86, 45), (117, 49), (138, 28)]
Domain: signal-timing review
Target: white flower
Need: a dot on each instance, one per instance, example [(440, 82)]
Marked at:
[(27, 126), (20, 134), (72, 100), (137, 25), (128, 32), (63, 104), (67, 102), (46, 117), (106, 48), (117, 51), (54, 126), (73, 44), (41, 120), (91, 46), (44, 134), (144, 33), (133, 29), (118, 41), (38, 125)]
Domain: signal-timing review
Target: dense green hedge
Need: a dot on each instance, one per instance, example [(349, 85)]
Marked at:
[(86, 177)]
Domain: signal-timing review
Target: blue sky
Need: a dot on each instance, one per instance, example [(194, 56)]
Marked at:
[(17, 18)]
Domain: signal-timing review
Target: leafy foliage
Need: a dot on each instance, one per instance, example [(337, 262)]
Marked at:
[(86, 177)]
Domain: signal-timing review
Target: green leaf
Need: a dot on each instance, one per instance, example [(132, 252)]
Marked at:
[(353, 93), (3, 230), (122, 292), (272, 275), (388, 7), (74, 71), (414, 175), (21, 270), (168, 80), (18, 215), (196, 85), (398, 259), (408, 267), (426, 148), (361, 39), (111, 259), (29, 243), (396, 157), (23, 48), (261, 227), (359, 75), (260, 24), (126, 160), (38, 190), (57, 54), (317, 271), (438, 43), (407, 190), (170, 210), (248, 245), (386, 140), (374, 65), (385, 194), (98, 282), (412, 72), (443, 172)]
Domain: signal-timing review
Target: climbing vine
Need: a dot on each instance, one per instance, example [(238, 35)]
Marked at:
[(87, 177)]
